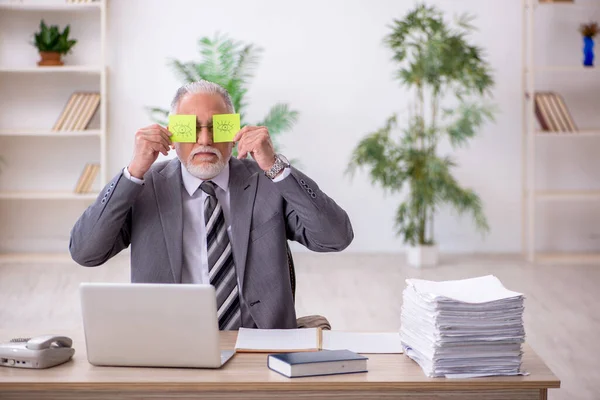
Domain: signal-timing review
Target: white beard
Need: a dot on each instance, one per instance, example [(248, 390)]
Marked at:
[(205, 170)]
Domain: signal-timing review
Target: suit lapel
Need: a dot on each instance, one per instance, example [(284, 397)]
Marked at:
[(167, 188), (242, 187)]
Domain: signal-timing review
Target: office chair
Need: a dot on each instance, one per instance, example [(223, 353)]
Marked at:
[(309, 321)]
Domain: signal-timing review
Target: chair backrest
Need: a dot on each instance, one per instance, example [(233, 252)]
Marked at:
[(290, 261), (310, 321)]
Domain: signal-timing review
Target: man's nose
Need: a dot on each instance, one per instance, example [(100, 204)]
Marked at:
[(204, 136)]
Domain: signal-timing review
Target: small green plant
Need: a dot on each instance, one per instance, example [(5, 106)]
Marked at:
[(50, 39)]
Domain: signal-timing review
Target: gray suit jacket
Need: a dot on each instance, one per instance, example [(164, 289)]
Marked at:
[(264, 214)]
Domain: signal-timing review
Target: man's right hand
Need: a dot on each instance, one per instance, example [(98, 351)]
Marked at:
[(149, 142)]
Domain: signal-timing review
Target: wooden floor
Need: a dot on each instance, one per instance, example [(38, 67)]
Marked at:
[(361, 292)]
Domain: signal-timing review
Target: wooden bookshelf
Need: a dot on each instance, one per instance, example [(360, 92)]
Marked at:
[(50, 6), (46, 195), (65, 69), (549, 195), (580, 133), (564, 68), (44, 132), (551, 129), (557, 1), (89, 75)]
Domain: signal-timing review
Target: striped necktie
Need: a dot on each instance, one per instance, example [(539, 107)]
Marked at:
[(221, 268)]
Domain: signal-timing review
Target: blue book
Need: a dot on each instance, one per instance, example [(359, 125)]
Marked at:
[(315, 363)]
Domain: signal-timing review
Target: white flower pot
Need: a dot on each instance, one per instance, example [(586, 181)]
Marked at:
[(422, 256)]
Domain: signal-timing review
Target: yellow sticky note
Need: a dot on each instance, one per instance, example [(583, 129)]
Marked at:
[(183, 128), (225, 127)]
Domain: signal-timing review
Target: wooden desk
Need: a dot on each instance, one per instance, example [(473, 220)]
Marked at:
[(246, 376)]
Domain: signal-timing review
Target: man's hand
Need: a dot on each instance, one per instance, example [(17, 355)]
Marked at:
[(149, 141), (256, 141)]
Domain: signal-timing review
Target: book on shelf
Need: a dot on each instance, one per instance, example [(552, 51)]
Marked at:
[(87, 178), (78, 112), (552, 113)]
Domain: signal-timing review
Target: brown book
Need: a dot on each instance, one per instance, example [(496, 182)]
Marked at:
[(88, 112), (91, 177), (88, 98), (77, 117), (570, 125), (74, 110), (82, 178), (77, 111), (552, 113), (66, 110), (542, 111)]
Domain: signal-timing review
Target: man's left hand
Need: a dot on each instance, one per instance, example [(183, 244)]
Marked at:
[(255, 140)]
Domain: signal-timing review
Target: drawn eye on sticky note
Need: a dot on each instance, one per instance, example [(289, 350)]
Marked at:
[(183, 128), (225, 127)]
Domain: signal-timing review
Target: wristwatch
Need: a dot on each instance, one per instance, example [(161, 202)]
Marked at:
[(280, 164)]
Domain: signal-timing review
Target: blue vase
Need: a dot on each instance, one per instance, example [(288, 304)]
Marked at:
[(588, 51)]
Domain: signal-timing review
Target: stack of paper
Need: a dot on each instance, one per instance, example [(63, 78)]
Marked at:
[(464, 328)]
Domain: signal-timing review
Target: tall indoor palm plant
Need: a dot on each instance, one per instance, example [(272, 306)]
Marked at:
[(231, 64), (450, 81)]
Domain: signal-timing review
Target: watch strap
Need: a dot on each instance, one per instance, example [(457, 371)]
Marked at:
[(279, 166)]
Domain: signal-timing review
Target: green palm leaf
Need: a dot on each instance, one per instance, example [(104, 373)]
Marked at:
[(436, 63), (232, 65)]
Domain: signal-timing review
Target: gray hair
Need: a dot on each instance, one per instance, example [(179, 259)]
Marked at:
[(202, 86)]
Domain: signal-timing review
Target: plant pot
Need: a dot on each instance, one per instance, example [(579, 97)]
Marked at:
[(50, 58), (422, 256), (588, 51)]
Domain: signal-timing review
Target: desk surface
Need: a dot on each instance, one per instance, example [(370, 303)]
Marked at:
[(249, 371)]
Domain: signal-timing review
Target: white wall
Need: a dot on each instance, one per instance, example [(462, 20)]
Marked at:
[(327, 60)]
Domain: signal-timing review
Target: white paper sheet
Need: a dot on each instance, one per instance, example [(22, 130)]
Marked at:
[(363, 342), (460, 329), (475, 290), (277, 340)]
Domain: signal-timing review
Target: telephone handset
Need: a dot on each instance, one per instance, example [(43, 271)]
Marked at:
[(38, 352)]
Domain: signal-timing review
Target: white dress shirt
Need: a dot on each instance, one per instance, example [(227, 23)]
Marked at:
[(195, 257)]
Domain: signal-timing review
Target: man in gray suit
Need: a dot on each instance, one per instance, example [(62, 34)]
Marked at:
[(207, 217)]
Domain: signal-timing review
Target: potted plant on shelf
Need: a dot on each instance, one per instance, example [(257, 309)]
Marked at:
[(589, 31), (52, 44), (449, 80)]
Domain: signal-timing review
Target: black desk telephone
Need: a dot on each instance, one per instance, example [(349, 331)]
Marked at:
[(39, 352)]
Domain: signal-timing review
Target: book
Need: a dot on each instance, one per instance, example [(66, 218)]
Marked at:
[(70, 113), (87, 112), (87, 177), (78, 112), (552, 113), (82, 178), (66, 110), (325, 362), (315, 339)]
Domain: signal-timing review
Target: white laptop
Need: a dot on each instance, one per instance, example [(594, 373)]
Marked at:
[(151, 325)]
